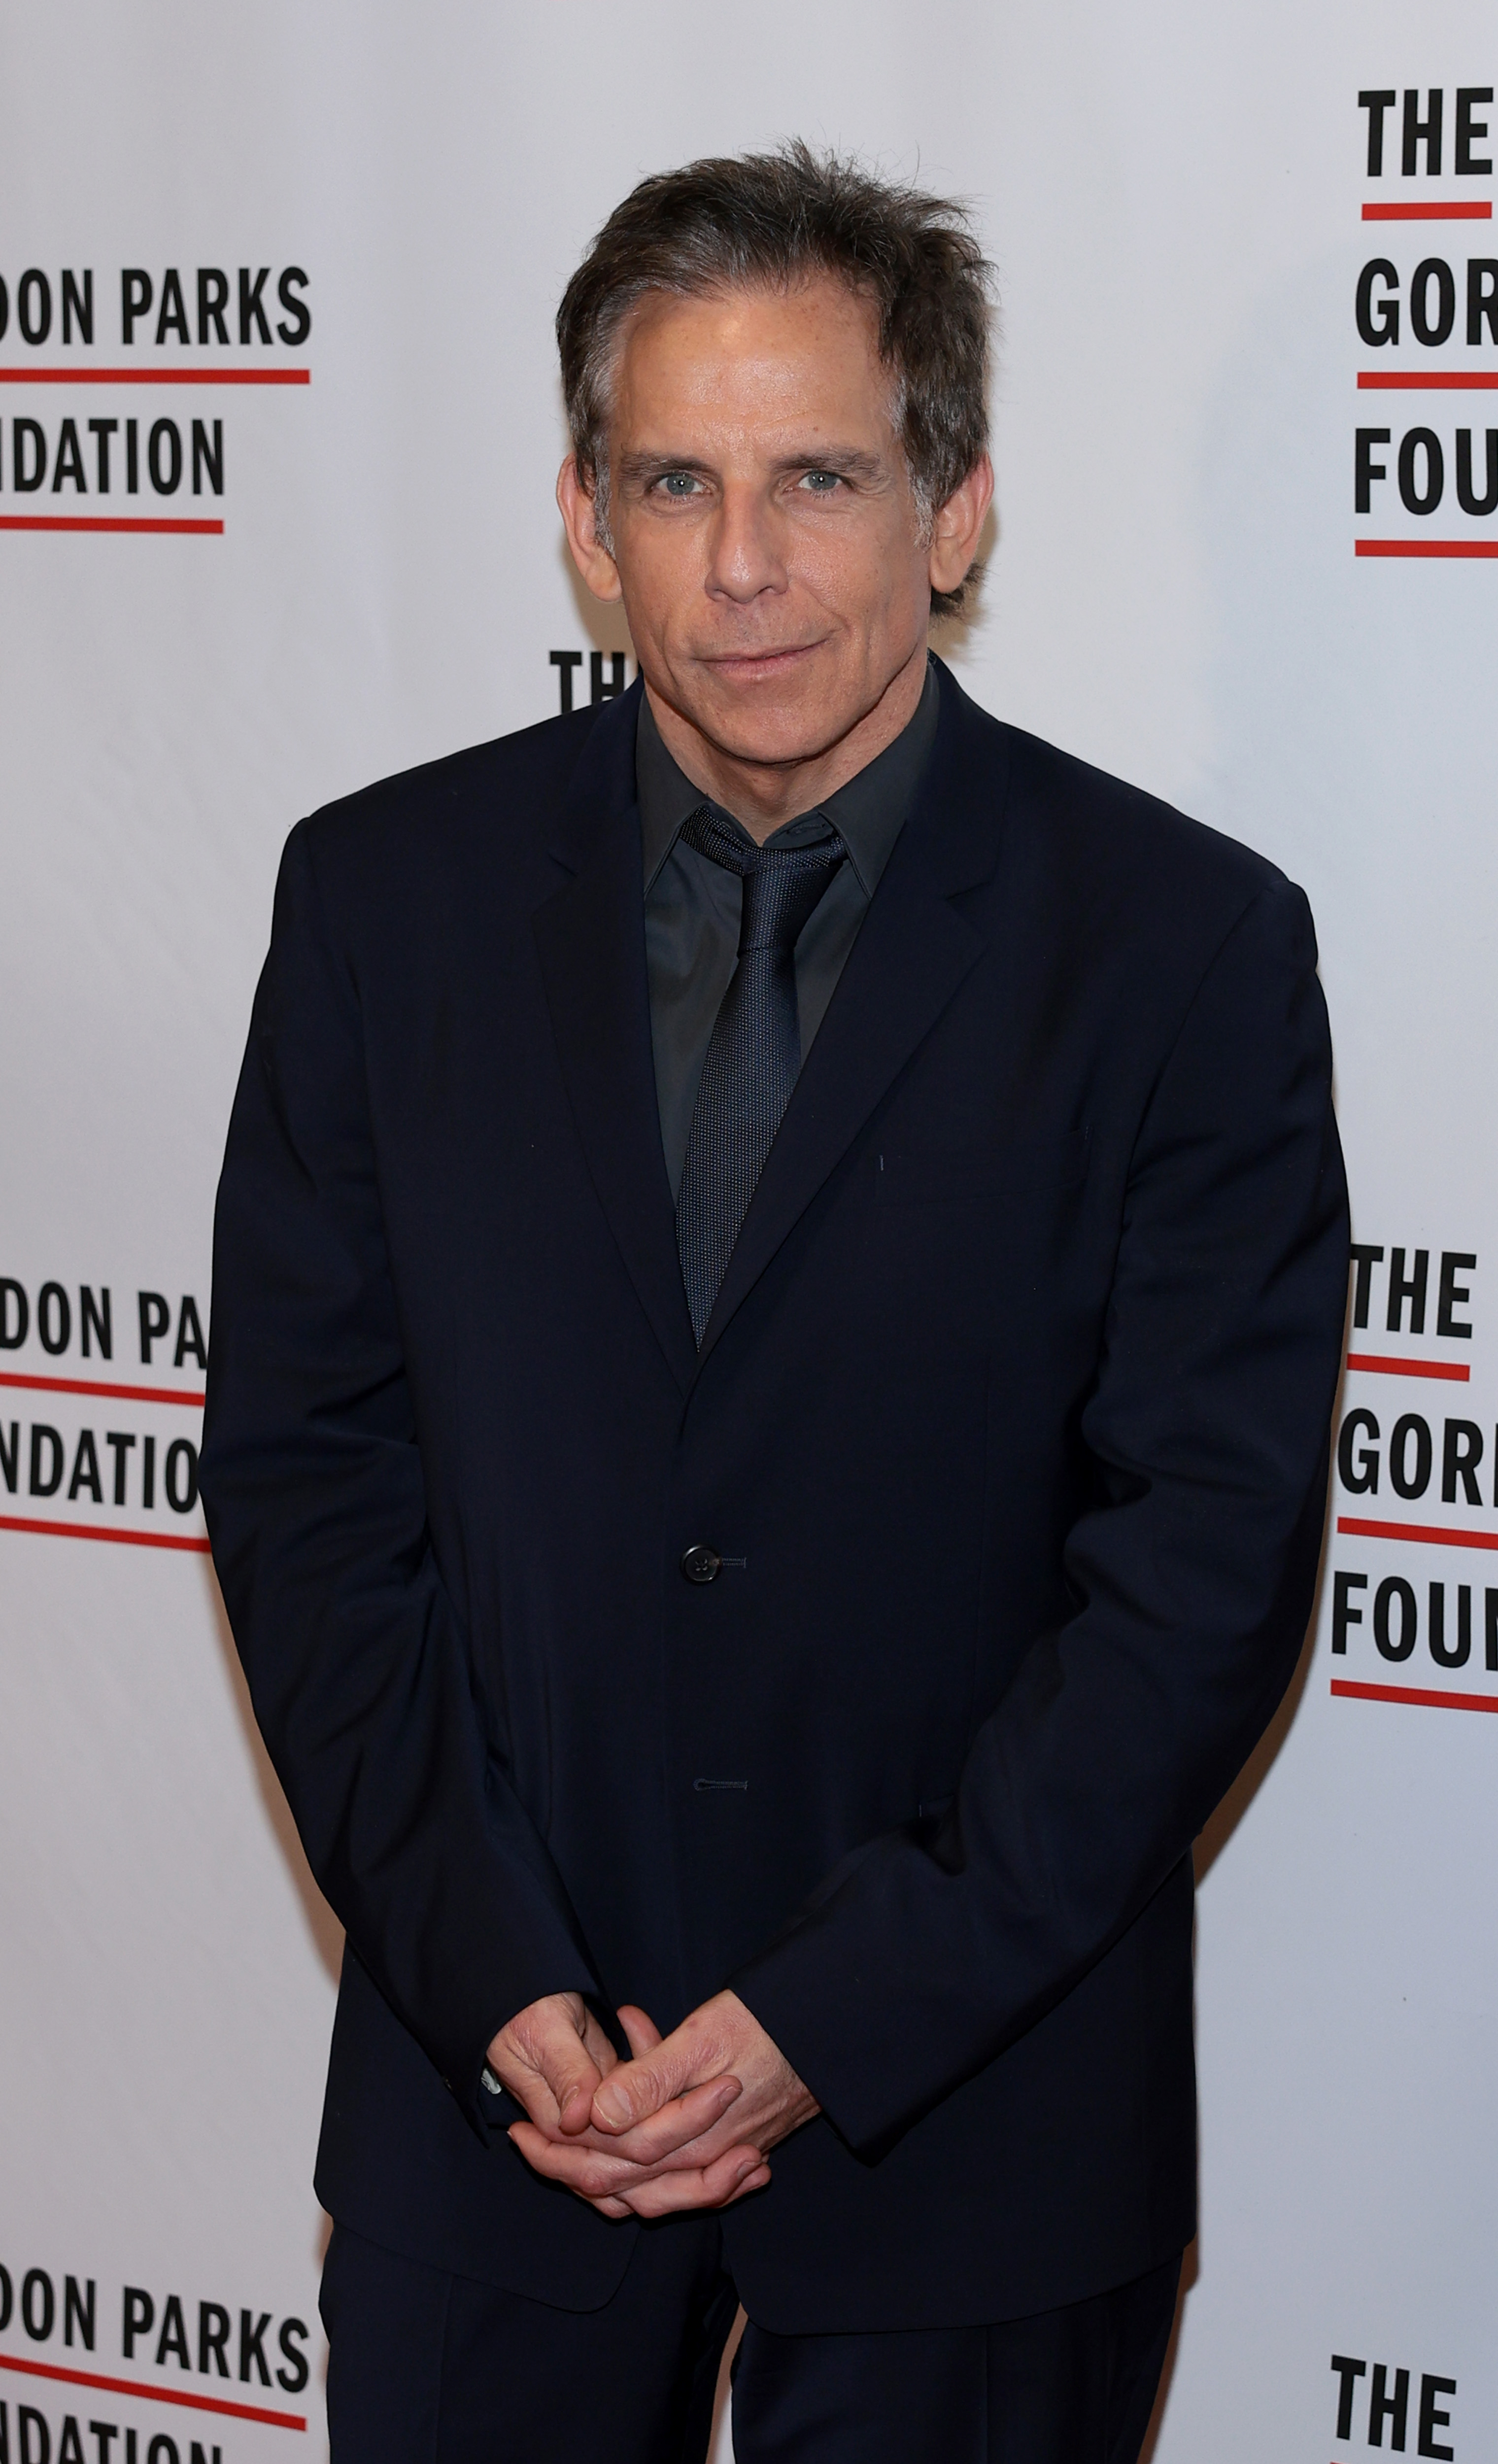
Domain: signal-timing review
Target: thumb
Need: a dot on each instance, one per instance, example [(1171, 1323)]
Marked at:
[(571, 2073), (640, 2030), (637, 2089)]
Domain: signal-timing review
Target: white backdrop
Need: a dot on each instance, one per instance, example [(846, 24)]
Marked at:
[(1175, 198)]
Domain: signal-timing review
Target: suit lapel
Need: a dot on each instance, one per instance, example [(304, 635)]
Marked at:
[(913, 951), (591, 941)]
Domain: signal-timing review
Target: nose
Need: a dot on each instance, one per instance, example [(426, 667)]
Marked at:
[(746, 556)]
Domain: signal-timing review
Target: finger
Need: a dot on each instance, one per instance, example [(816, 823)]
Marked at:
[(550, 2095), (758, 2180), (640, 2087), (698, 2146), (640, 2029), (572, 2076), (596, 2045), (713, 2185), (598, 2174), (678, 2123), (592, 2174), (530, 2092)]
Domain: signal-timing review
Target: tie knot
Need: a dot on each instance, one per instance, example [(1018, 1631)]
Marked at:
[(782, 883)]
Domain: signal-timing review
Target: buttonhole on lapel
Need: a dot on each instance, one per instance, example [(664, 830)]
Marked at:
[(708, 1786), (740, 1562)]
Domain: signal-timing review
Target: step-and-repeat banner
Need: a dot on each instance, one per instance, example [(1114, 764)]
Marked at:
[(278, 427)]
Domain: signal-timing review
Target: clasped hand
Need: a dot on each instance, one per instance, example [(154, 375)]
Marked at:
[(686, 2123)]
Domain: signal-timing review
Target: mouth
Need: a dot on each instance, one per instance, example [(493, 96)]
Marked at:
[(751, 666)]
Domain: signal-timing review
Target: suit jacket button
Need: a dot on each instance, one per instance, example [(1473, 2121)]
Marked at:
[(701, 1565)]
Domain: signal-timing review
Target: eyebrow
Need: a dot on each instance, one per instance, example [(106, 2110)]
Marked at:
[(847, 461), (650, 466)]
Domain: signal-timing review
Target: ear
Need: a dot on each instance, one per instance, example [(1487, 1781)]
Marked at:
[(959, 525), (588, 553)]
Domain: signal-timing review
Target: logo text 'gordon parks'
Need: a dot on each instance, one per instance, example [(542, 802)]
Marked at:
[(227, 313), (209, 2339)]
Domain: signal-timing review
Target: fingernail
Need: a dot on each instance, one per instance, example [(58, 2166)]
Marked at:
[(611, 2105)]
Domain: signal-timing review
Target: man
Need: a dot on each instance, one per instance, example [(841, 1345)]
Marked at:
[(777, 1293)]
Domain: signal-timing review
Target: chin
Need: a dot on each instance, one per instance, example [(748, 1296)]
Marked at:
[(771, 735), (793, 724)]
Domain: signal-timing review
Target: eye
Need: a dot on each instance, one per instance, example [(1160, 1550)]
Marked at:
[(677, 485), (819, 483)]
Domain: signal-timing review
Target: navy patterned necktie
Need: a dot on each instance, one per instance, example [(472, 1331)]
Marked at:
[(754, 1054)]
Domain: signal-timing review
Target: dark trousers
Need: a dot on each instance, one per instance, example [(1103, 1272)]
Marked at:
[(426, 2369)]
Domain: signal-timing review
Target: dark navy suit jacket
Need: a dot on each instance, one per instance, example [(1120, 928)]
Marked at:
[(1009, 1427)]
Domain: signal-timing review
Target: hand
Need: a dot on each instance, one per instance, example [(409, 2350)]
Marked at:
[(551, 2056), (539, 2064), (686, 2123), (634, 2102)]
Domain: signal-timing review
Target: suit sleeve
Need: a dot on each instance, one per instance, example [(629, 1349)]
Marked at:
[(919, 1960), (312, 1482)]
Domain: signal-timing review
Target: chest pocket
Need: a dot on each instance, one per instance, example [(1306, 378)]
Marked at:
[(941, 1176)]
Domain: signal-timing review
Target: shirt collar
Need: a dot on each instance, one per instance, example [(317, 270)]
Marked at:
[(868, 812)]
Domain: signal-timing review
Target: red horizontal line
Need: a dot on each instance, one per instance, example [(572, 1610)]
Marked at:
[(1469, 210), (154, 2394), (1414, 1694), (101, 522), (98, 1531), (1388, 1366), (125, 1394), (1435, 380), (1425, 547), (1439, 1533), (155, 376)]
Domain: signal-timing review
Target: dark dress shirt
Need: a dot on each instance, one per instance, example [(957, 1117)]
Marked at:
[(693, 906)]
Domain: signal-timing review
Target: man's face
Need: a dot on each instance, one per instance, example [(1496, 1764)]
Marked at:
[(764, 533)]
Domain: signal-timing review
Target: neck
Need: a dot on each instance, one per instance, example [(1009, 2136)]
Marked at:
[(762, 795)]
